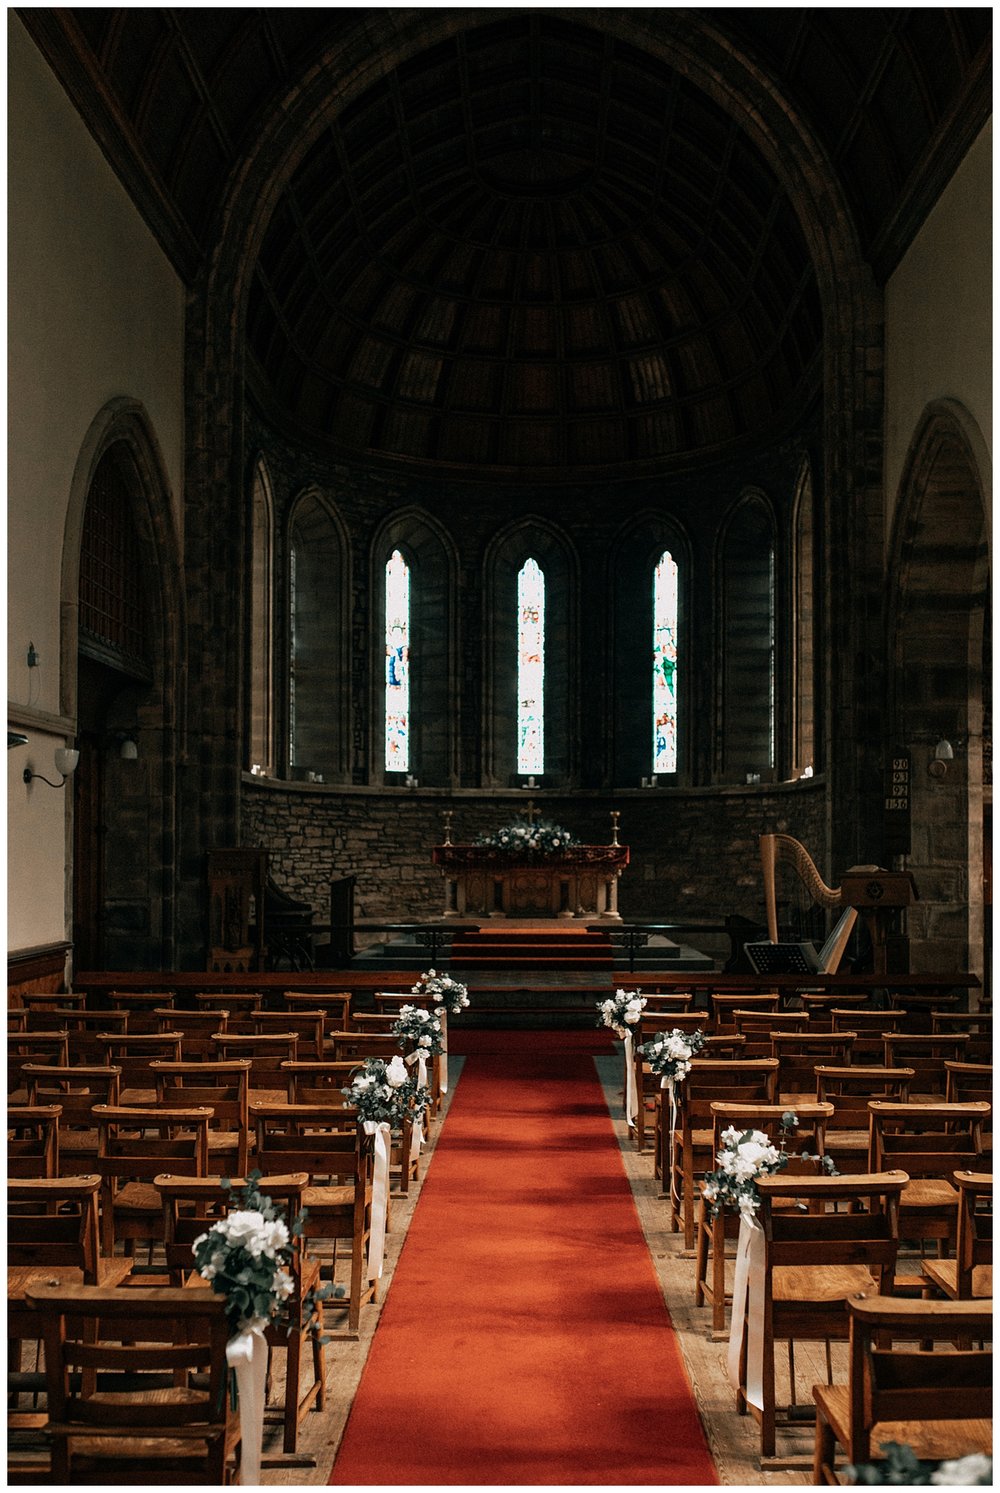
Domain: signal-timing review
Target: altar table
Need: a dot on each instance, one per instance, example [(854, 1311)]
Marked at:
[(581, 882)]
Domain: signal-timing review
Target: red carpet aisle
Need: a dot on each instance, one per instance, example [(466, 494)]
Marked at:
[(525, 1339)]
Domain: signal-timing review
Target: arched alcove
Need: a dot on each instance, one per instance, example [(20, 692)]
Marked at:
[(747, 668), (434, 701), (122, 634), (318, 601), (259, 690), (940, 684)]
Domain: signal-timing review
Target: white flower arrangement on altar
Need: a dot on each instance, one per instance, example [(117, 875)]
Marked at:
[(620, 1011), (386, 1093), (418, 1027), (540, 837), (444, 993), (745, 1156), (244, 1257), (669, 1054)]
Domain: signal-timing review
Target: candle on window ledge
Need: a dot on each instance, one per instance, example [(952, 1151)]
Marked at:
[(531, 783)]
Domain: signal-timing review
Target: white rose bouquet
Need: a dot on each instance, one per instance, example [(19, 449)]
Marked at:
[(386, 1092), (745, 1156), (443, 993), (244, 1256), (669, 1054), (423, 1032), (620, 1011)]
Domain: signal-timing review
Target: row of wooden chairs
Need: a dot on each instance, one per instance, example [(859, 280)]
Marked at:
[(905, 1172), (153, 1184)]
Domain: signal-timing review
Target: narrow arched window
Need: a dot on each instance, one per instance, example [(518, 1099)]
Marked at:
[(748, 643), (397, 664), (530, 668), (665, 664)]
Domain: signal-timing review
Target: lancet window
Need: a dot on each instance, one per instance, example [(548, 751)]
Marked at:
[(530, 669)]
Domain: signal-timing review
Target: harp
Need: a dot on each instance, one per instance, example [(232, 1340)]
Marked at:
[(775, 848), (869, 889)]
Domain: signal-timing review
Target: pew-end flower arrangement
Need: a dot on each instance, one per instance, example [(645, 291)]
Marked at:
[(902, 1465), (620, 1011), (386, 1093), (443, 993), (669, 1054), (244, 1257), (420, 1030), (746, 1156)]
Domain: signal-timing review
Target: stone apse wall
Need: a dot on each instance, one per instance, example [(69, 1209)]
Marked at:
[(684, 844)]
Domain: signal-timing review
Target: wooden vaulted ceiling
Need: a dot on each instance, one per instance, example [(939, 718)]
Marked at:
[(533, 245)]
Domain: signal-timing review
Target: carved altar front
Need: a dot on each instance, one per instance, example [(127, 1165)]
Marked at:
[(581, 882)]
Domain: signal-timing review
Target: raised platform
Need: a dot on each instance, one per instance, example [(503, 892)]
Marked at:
[(540, 945)]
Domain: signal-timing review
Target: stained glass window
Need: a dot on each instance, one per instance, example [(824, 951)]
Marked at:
[(397, 664), (530, 669), (665, 665)]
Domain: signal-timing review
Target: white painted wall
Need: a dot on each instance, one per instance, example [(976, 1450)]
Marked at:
[(95, 312), (939, 315)]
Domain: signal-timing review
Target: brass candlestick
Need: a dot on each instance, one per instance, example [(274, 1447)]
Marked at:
[(615, 816)]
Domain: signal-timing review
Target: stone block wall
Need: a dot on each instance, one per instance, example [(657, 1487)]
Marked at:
[(694, 854)]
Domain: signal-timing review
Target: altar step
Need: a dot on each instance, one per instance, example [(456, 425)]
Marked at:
[(518, 948), (659, 953)]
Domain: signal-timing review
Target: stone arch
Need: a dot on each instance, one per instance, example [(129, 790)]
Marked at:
[(636, 552), (939, 640), (317, 696), (125, 811), (851, 309), (531, 538), (436, 724)]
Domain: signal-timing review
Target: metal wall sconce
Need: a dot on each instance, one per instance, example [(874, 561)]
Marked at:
[(128, 751), (66, 759), (944, 753)]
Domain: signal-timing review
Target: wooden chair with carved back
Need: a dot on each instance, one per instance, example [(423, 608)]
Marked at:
[(969, 1276), (191, 1205), (929, 1142), (686, 1155), (814, 1260), (128, 1428), (807, 1135), (939, 1403)]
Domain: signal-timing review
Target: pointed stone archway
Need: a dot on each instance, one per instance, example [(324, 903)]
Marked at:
[(939, 639)]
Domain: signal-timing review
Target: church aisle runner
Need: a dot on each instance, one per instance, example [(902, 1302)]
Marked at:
[(525, 1339)]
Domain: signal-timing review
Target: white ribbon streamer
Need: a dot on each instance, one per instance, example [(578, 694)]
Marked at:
[(419, 1056), (748, 1308), (380, 1196), (631, 1102), (668, 1083), (443, 1061), (246, 1354)]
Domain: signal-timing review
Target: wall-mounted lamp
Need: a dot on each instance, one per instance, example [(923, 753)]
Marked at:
[(66, 759), (128, 751), (943, 752)]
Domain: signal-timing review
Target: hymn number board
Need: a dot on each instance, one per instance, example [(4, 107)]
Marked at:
[(896, 816)]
